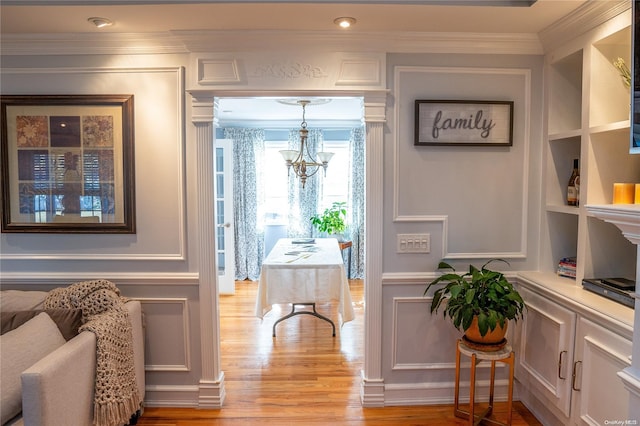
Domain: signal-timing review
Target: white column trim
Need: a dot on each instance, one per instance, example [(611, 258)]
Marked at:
[(372, 387), (627, 218), (211, 386)]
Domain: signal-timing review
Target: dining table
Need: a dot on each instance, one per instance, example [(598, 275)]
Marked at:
[(304, 272)]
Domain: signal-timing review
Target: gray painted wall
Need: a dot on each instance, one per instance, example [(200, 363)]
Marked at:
[(473, 201)]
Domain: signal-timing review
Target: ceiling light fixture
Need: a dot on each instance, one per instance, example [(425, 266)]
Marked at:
[(344, 22), (100, 22), (302, 159)]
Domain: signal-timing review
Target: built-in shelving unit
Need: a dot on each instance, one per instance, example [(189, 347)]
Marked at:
[(588, 339), (588, 118)]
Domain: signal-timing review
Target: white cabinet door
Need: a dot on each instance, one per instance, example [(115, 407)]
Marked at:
[(599, 396), (546, 351)]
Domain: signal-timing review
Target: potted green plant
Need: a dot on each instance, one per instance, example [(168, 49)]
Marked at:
[(480, 298), (332, 220)]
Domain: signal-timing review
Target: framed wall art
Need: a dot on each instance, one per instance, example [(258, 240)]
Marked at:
[(463, 123), (68, 164)]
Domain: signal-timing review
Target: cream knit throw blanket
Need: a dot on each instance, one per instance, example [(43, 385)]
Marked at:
[(103, 313)]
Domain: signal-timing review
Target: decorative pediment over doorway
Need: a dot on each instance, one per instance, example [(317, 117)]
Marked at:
[(304, 71)]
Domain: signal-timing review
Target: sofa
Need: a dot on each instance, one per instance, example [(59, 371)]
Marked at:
[(48, 369)]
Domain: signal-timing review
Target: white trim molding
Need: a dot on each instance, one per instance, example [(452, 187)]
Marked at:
[(410, 394), (585, 18), (185, 41), (625, 216), (212, 386), (171, 396), (372, 389), (25, 280)]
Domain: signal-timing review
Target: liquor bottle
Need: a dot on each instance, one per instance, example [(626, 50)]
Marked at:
[(572, 190)]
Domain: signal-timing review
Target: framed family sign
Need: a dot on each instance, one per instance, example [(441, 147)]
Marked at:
[(67, 164), (463, 123)]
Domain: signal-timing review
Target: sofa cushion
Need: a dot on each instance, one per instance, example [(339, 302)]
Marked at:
[(19, 300), (67, 320), (19, 349)]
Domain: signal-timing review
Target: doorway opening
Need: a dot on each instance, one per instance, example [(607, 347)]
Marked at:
[(258, 119), (268, 201)]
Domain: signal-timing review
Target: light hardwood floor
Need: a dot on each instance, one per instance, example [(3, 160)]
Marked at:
[(303, 376)]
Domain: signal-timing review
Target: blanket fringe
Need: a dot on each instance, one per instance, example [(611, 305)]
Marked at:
[(116, 413)]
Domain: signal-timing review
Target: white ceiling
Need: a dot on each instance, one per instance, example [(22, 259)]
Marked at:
[(140, 16), (29, 17)]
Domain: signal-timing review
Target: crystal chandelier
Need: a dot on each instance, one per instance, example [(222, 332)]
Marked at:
[(301, 161)]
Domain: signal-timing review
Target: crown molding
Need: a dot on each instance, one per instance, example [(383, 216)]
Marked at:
[(399, 42), (225, 41), (90, 44), (580, 21)]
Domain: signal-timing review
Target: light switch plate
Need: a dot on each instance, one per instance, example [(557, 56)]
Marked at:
[(413, 243)]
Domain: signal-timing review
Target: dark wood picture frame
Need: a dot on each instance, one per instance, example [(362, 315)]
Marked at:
[(463, 123), (67, 164)]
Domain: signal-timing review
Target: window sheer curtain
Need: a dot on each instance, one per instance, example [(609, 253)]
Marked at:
[(248, 171), (248, 195), (356, 204)]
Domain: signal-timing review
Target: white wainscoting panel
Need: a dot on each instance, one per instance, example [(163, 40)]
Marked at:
[(420, 340), (164, 319)]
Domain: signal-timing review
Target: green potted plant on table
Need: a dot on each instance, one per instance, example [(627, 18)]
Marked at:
[(332, 220), (479, 302)]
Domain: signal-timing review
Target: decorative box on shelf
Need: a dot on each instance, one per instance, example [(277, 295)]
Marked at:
[(567, 267)]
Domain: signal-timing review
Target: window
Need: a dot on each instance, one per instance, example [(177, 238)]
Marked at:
[(275, 209), (335, 185)]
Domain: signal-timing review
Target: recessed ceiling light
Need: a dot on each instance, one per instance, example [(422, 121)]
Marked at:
[(100, 22), (344, 22)]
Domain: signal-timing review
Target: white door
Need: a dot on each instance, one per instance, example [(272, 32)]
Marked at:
[(224, 216)]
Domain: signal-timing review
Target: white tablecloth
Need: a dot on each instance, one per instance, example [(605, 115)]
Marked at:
[(304, 273)]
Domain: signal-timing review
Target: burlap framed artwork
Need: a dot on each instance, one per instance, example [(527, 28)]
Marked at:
[(463, 123)]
